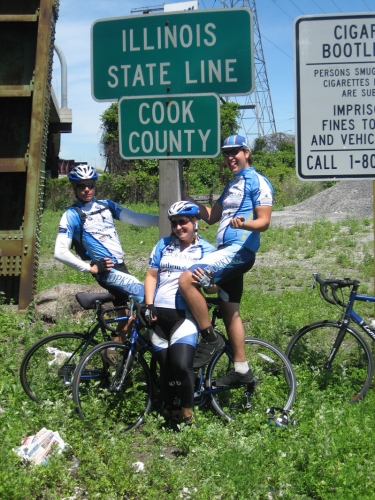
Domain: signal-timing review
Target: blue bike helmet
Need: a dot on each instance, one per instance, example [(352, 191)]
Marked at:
[(82, 173), (184, 208)]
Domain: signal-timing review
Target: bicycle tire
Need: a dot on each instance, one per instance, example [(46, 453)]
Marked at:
[(352, 369), (44, 374), (276, 381), (96, 375)]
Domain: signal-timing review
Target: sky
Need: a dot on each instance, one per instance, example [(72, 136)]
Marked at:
[(276, 24)]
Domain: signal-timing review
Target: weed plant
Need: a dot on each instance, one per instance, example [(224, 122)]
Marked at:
[(328, 455)]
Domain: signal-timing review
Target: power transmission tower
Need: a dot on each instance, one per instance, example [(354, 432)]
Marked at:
[(256, 112)]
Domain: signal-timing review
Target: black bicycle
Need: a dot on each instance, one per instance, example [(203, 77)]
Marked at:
[(331, 352), (119, 381), (48, 366)]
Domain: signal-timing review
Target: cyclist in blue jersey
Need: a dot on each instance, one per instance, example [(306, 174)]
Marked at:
[(243, 211), (98, 236), (175, 332)]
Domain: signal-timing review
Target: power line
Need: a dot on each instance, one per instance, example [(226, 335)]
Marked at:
[(366, 5), (353, 5), (274, 1), (318, 6), (281, 50), (336, 6), (296, 6)]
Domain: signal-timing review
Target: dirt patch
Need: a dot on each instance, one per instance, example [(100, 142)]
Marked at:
[(340, 252), (345, 200)]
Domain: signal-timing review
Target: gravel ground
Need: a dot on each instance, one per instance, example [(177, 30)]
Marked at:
[(346, 199)]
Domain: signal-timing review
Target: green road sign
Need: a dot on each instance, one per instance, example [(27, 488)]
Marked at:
[(190, 52), (176, 126)]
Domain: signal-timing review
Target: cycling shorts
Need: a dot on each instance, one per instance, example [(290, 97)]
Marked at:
[(228, 264), (172, 327)]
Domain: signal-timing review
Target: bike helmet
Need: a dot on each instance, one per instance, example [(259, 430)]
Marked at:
[(235, 141), (82, 173), (185, 208)]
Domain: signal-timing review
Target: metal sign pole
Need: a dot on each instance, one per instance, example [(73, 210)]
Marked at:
[(170, 182)]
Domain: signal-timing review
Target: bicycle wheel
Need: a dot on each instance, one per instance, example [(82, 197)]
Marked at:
[(276, 381), (352, 369), (97, 389), (47, 368)]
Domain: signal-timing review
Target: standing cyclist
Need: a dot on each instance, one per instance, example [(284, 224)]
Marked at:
[(243, 211), (90, 223), (175, 334)]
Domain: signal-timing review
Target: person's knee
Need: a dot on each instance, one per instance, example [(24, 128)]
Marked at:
[(229, 310), (180, 368), (185, 280)]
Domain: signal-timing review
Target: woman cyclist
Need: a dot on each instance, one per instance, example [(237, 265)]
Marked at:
[(175, 332)]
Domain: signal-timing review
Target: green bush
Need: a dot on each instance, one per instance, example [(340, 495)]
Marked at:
[(134, 187)]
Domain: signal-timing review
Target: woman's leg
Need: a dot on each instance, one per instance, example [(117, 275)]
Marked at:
[(167, 391), (181, 361)]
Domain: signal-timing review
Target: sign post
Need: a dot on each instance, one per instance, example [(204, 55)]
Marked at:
[(335, 96)]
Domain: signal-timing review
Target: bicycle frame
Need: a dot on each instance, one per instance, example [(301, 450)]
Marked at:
[(137, 337), (67, 369), (116, 369), (349, 314)]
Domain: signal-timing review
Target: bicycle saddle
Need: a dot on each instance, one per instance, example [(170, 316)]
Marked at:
[(87, 300)]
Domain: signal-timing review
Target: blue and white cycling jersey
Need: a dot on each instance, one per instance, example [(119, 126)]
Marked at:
[(99, 235), (241, 195), (171, 262)]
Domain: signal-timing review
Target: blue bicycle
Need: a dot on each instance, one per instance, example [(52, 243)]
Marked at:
[(47, 368), (119, 381), (332, 352)]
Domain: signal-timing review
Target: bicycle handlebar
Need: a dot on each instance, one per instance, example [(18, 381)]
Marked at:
[(334, 285)]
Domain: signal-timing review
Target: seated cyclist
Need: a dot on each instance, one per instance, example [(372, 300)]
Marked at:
[(98, 236), (175, 332)]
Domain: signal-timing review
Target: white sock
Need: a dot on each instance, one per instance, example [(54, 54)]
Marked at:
[(241, 366)]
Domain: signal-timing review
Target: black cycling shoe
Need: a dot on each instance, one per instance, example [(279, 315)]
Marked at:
[(206, 351), (235, 378), (177, 423)]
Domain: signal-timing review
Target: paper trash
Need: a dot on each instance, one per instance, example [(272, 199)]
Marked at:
[(36, 448)]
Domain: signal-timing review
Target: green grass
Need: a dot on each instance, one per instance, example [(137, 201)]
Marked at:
[(328, 455)]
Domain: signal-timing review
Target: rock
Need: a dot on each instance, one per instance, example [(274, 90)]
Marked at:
[(60, 301)]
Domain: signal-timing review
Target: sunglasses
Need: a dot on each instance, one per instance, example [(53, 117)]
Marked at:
[(180, 222), (81, 185), (232, 152)]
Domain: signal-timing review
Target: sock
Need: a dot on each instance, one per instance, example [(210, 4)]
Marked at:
[(208, 334), (241, 366)]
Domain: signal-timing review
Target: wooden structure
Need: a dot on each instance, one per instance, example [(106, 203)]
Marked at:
[(27, 30)]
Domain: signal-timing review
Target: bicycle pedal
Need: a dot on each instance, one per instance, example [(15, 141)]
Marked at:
[(253, 385)]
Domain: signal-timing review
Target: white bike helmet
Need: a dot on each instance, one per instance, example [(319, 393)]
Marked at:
[(183, 208), (82, 173)]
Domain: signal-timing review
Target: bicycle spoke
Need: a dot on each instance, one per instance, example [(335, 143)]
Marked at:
[(48, 367), (100, 392), (350, 373), (275, 387)]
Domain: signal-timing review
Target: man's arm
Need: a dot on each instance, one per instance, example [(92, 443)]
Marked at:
[(136, 218), (63, 254), (209, 215)]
